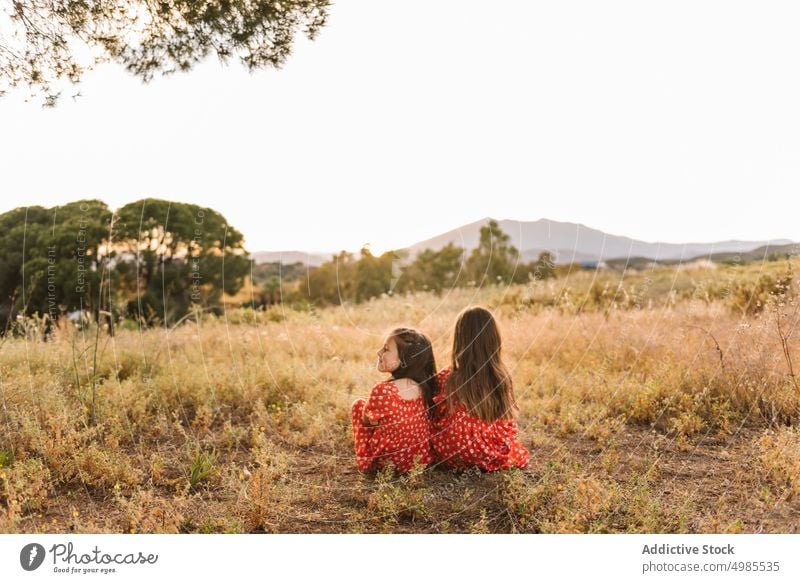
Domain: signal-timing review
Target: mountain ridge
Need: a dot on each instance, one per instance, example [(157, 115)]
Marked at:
[(568, 241)]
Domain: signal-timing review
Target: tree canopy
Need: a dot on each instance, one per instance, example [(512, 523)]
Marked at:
[(151, 260), (495, 259), (44, 42), (170, 255), (51, 259)]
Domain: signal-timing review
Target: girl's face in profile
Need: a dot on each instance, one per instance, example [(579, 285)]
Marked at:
[(388, 357)]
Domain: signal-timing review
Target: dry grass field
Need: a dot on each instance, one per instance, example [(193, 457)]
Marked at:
[(663, 403)]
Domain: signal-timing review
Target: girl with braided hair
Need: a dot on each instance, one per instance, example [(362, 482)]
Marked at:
[(393, 424)]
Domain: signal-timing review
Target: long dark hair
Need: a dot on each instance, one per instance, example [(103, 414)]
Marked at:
[(478, 378), (416, 362)]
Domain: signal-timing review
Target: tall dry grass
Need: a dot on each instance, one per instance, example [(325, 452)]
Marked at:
[(637, 398)]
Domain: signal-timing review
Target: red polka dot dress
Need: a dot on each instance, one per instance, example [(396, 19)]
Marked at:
[(462, 440), (401, 434)]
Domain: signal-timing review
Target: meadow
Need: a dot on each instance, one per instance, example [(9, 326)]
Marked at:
[(662, 401)]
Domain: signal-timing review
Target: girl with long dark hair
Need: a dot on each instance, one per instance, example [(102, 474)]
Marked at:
[(393, 424), (474, 422)]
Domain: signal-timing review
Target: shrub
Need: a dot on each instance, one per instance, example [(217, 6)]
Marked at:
[(26, 485), (780, 457), (750, 298)]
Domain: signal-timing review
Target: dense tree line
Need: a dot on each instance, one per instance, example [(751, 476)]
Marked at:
[(151, 260), (155, 261), (347, 278)]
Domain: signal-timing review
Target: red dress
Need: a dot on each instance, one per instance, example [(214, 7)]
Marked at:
[(402, 432), (461, 439)]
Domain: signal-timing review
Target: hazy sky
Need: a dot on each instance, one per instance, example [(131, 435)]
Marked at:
[(664, 121)]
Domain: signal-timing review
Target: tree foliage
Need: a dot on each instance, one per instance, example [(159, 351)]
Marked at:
[(435, 270), (172, 255), (42, 41), (51, 260), (545, 266), (495, 260), (151, 260), (331, 282), (349, 279)]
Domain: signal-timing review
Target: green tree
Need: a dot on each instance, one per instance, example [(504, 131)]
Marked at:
[(53, 260), (435, 270), (170, 256), (271, 291), (80, 235), (347, 279), (333, 281), (278, 282), (146, 37), (495, 260), (23, 234), (373, 275), (544, 266)]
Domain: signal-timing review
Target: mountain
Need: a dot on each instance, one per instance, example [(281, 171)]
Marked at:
[(569, 242), (573, 242)]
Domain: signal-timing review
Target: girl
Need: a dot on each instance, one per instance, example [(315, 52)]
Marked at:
[(393, 424), (475, 407)]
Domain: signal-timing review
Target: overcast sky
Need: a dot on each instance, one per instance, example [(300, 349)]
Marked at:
[(663, 121)]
